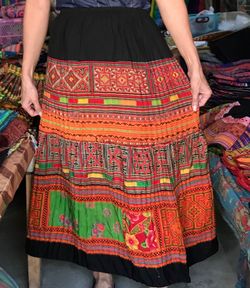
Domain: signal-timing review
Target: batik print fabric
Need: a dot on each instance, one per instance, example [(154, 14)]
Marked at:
[(121, 181)]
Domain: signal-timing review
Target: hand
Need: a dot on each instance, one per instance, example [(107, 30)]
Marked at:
[(29, 98), (200, 89)]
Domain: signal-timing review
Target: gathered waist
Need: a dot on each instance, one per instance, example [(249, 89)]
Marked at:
[(112, 34)]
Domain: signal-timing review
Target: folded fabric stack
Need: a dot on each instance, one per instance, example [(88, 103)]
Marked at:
[(229, 82), (231, 137), (238, 162), (226, 125), (225, 120)]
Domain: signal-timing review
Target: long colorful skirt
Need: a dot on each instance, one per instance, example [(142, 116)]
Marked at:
[(122, 182)]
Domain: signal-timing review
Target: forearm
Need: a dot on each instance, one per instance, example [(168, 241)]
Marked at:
[(35, 28), (175, 17)]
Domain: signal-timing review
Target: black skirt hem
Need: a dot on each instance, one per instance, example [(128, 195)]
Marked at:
[(157, 277)]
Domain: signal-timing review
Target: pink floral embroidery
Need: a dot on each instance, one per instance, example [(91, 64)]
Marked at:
[(100, 227), (139, 231), (117, 227), (107, 212), (98, 230), (67, 222)]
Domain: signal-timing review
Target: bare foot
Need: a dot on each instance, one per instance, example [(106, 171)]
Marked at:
[(103, 280)]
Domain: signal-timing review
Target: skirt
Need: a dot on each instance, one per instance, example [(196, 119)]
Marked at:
[(122, 180)]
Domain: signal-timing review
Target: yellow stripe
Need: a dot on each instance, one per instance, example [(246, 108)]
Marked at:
[(128, 102), (130, 184), (185, 171), (95, 175), (174, 97), (83, 101), (66, 170), (165, 180)]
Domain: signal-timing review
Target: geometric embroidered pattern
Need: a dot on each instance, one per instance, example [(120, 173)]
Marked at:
[(118, 103), (121, 168)]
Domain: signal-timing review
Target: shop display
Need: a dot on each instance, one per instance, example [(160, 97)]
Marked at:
[(225, 119)]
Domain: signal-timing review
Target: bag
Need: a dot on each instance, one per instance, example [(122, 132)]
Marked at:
[(204, 22)]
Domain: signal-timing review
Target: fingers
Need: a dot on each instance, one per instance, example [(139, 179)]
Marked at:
[(33, 109), (29, 97), (200, 98), (195, 101), (203, 99), (29, 109), (37, 107), (204, 95), (201, 92), (30, 101)]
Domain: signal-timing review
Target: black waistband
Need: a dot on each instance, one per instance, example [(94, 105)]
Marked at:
[(112, 34)]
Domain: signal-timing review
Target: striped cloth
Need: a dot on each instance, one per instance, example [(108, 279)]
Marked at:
[(6, 116)]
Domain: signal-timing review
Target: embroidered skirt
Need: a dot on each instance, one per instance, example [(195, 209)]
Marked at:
[(121, 182)]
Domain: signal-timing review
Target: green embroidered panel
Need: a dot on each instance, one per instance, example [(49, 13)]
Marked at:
[(87, 219)]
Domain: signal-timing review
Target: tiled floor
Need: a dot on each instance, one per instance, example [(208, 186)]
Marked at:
[(216, 272)]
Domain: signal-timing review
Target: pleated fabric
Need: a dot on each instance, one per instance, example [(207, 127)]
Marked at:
[(121, 180)]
